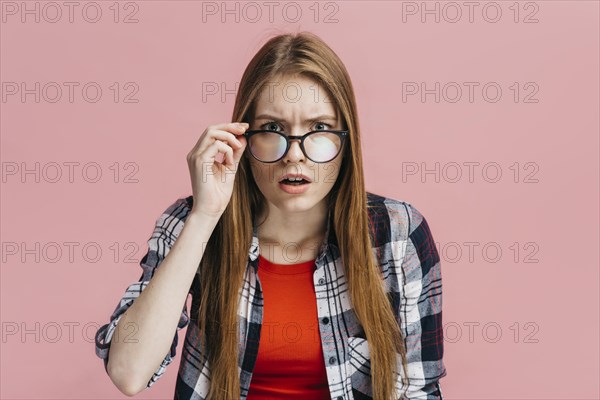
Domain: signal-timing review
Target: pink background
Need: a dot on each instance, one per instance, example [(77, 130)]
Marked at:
[(171, 51)]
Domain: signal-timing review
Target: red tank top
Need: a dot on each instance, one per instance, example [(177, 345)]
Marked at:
[(290, 361)]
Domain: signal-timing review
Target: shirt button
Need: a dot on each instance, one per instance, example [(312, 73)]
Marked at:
[(325, 320), (331, 360), (321, 281), (340, 398)]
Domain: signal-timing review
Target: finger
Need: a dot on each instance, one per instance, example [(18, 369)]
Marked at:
[(228, 152), (233, 127), (230, 162), (236, 128), (225, 136), (206, 160), (228, 137), (212, 150), (239, 152)]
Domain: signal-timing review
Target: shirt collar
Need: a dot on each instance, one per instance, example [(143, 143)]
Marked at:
[(329, 243)]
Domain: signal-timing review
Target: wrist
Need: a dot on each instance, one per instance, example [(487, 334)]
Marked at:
[(204, 217)]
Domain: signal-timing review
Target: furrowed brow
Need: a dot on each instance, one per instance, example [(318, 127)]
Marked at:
[(323, 117)]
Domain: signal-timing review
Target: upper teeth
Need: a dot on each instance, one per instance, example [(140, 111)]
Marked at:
[(291, 178)]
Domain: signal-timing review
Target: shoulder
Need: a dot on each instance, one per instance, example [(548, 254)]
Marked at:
[(409, 238), (179, 209), (405, 246), (392, 219), (173, 217)]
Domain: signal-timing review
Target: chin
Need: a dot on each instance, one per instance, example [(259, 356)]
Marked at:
[(289, 202), (296, 204)]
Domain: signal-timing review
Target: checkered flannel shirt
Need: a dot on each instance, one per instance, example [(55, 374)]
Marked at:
[(411, 269)]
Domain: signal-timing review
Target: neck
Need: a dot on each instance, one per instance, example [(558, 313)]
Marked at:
[(289, 238)]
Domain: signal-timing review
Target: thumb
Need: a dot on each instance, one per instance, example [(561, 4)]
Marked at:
[(237, 153)]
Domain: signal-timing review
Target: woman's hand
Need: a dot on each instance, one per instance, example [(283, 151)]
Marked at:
[(212, 179)]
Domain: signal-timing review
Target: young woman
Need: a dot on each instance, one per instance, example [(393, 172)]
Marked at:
[(304, 285)]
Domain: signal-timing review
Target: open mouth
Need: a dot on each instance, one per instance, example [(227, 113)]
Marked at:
[(294, 182)]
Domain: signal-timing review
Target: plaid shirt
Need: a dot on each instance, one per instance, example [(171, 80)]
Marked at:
[(410, 264)]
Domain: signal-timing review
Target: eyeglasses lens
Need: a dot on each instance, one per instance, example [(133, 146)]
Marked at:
[(319, 146)]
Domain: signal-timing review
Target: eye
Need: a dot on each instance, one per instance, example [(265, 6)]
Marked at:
[(271, 125), (321, 126)]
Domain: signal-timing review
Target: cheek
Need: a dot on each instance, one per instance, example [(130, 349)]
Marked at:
[(262, 174), (328, 173)]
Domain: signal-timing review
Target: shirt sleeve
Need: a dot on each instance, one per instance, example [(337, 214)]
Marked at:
[(421, 311), (166, 230)]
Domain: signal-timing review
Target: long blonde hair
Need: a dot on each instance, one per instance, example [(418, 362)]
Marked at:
[(223, 265)]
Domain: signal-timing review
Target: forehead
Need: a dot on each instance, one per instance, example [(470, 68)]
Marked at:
[(294, 96)]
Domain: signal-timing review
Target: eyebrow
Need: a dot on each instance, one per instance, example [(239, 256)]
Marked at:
[(323, 117)]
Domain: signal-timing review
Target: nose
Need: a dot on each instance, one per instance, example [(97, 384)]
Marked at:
[(294, 153)]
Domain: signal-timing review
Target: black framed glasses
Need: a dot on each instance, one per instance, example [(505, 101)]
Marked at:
[(319, 146)]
